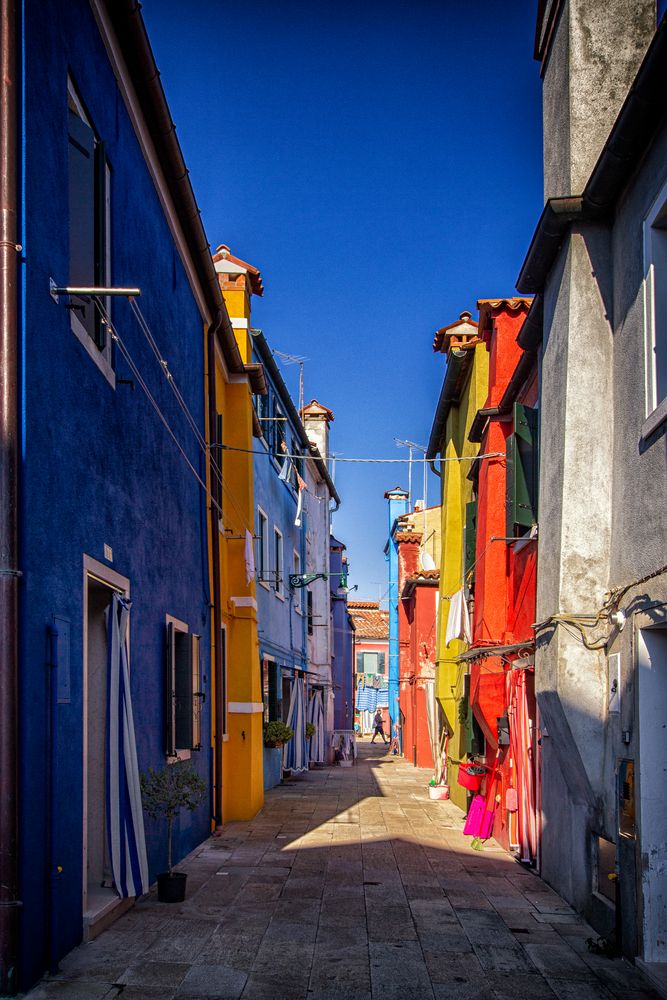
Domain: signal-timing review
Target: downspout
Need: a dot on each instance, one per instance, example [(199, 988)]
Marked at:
[(55, 869), (9, 573), (218, 704)]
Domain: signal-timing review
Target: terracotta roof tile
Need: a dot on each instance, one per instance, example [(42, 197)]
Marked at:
[(370, 621)]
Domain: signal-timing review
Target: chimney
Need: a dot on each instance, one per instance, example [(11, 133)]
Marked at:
[(316, 419)]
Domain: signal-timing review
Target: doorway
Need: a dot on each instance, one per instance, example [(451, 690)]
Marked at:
[(99, 894), (652, 663)]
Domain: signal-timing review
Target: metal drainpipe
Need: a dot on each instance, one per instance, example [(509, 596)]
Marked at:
[(218, 706), (9, 575)]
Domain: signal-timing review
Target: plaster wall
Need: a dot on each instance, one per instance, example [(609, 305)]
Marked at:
[(596, 52), (317, 561), (602, 512), (97, 466)]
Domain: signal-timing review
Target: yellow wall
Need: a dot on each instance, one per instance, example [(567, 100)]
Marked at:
[(456, 492), (243, 783)]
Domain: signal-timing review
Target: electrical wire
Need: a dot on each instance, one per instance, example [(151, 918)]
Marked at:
[(376, 461)]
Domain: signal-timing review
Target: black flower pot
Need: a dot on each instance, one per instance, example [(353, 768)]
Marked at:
[(171, 887)]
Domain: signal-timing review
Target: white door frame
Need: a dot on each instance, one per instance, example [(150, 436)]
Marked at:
[(92, 570)]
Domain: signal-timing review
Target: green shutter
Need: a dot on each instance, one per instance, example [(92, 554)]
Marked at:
[(184, 691), (360, 663), (521, 481), (470, 540)]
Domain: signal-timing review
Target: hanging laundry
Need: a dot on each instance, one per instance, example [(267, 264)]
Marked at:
[(286, 466), (299, 508), (458, 620), (249, 557)]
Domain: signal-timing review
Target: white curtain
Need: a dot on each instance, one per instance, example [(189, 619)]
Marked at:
[(125, 818)]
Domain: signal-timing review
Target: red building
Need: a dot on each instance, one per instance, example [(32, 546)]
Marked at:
[(371, 645), (417, 535), (500, 568)]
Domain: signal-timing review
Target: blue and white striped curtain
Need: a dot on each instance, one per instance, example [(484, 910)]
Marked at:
[(295, 752), (316, 716), (125, 818)]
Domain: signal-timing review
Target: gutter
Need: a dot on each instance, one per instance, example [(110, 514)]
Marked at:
[(125, 16), (9, 515), (640, 117), (218, 666), (480, 422), (458, 363)]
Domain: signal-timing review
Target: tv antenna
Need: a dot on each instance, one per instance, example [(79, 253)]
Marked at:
[(294, 359)]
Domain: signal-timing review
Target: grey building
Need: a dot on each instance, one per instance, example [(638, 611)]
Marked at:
[(597, 265)]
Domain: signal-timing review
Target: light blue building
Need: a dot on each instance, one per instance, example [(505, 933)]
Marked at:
[(280, 539), (398, 504)]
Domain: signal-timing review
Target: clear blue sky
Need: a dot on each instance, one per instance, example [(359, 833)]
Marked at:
[(380, 162)]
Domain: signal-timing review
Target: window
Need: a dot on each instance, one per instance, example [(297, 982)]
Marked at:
[(277, 431), (309, 606), (521, 472), (297, 590), (216, 469), (184, 696), (262, 411), (89, 227), (278, 562), (370, 663), (655, 302), (262, 547), (470, 541)]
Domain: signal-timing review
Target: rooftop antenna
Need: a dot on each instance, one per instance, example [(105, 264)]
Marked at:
[(294, 359), (419, 447)]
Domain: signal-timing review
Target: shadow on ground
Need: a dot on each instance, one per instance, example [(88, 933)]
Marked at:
[(349, 884)]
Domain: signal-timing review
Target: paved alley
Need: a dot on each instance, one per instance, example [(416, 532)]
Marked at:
[(351, 883)]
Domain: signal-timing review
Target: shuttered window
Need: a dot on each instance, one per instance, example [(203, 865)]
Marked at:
[(522, 472), (309, 599), (470, 541), (184, 697), (89, 218), (380, 663)]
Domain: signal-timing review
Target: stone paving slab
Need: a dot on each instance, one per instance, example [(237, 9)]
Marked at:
[(351, 884)]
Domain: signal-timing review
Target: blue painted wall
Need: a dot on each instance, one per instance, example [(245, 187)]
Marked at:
[(97, 465), (398, 504), (282, 629), (342, 665)]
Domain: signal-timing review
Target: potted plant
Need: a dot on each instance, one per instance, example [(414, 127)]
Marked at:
[(165, 793), (276, 734), (311, 729)]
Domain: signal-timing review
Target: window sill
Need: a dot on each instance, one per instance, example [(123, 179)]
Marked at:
[(281, 597), (92, 351), (264, 583), (180, 755), (655, 420)]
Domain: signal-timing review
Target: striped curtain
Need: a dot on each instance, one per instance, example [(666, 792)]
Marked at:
[(295, 752), (316, 716), (125, 820)]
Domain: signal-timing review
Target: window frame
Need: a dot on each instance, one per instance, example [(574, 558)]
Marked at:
[(262, 550), (279, 563), (298, 600), (655, 410), (175, 627), (99, 346)]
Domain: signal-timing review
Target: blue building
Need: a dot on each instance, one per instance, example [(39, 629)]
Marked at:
[(104, 516), (342, 626), (280, 538), (398, 504)]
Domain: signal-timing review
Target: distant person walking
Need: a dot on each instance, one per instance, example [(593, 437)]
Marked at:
[(378, 727)]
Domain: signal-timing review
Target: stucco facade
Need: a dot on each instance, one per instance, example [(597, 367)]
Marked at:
[(600, 657), (110, 502), (463, 393)]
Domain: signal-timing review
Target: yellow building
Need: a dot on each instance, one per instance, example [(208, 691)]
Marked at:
[(237, 698), (463, 393)]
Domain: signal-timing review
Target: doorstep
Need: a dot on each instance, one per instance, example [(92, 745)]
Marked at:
[(105, 906)]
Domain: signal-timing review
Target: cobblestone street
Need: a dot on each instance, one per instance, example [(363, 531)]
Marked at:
[(350, 883)]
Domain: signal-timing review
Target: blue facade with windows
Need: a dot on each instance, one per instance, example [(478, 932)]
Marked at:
[(108, 501), (398, 504), (280, 538)]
